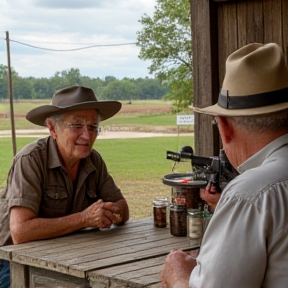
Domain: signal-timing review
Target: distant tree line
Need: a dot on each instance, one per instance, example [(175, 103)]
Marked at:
[(109, 88)]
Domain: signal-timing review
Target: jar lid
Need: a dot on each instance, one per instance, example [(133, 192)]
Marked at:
[(160, 201), (178, 207), (195, 212)]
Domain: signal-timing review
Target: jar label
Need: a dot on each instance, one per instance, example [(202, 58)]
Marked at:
[(195, 228)]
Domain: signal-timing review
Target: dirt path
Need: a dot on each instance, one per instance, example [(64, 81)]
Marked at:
[(105, 135)]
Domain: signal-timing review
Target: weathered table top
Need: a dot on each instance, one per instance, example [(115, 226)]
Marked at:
[(132, 254)]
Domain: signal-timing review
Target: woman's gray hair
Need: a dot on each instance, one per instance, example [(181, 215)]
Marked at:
[(262, 123)]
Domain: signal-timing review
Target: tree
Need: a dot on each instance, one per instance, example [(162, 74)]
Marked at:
[(73, 76), (42, 87), (166, 40), (109, 79), (3, 82), (94, 83), (22, 89), (151, 89), (120, 90)]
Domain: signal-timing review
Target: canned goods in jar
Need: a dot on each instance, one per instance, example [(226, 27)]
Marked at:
[(160, 205), (178, 220), (188, 196), (195, 224)]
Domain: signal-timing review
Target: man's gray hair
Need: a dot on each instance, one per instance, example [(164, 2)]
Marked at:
[(263, 123), (56, 118), (59, 117)]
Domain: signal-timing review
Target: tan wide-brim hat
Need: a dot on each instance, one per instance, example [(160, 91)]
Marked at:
[(255, 82), (73, 98)]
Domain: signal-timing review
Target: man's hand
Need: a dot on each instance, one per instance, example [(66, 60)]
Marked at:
[(177, 269), (211, 196), (96, 215), (115, 213), (101, 214)]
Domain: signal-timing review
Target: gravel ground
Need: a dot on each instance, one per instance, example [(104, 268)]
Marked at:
[(104, 135)]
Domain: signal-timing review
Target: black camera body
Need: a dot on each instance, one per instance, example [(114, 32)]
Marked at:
[(216, 170)]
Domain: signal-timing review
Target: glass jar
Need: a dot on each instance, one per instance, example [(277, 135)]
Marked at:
[(207, 217), (189, 196), (195, 225), (160, 205), (178, 220)]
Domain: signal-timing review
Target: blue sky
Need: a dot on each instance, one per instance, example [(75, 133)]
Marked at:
[(74, 24)]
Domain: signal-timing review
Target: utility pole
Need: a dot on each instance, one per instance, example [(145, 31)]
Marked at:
[(10, 95)]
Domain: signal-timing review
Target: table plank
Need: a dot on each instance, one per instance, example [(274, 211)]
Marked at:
[(77, 237), (142, 273), (102, 254), (116, 236)]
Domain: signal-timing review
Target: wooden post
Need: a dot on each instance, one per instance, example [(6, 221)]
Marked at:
[(219, 27), (19, 275), (10, 95), (205, 74)]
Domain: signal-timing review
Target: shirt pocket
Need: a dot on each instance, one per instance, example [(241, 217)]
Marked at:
[(91, 195), (54, 202)]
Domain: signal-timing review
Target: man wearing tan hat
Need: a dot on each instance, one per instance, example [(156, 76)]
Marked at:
[(246, 242), (60, 184)]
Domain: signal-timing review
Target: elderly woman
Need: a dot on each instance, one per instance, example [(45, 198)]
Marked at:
[(59, 184)]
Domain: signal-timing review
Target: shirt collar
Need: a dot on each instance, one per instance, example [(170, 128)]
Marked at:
[(54, 160), (258, 158)]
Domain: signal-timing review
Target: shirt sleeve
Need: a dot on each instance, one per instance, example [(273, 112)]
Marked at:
[(26, 183)]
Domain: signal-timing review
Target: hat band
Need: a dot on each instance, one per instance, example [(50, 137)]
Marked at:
[(252, 101)]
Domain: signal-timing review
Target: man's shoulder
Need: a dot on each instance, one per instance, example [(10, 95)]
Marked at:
[(95, 156), (33, 147), (255, 183)]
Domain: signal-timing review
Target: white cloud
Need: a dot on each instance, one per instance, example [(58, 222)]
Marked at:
[(57, 24)]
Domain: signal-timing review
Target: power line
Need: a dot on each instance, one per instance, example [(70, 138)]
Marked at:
[(74, 49)]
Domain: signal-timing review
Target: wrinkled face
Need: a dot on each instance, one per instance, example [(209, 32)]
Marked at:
[(76, 134)]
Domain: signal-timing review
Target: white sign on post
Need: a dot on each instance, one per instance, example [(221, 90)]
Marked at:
[(185, 119)]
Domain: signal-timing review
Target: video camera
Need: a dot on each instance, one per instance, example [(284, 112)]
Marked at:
[(217, 171)]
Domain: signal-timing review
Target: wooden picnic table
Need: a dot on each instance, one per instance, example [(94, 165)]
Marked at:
[(131, 255)]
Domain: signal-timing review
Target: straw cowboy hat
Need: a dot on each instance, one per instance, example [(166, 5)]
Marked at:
[(73, 98), (256, 82)]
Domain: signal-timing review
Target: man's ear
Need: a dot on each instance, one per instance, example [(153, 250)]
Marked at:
[(52, 129), (225, 129)]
